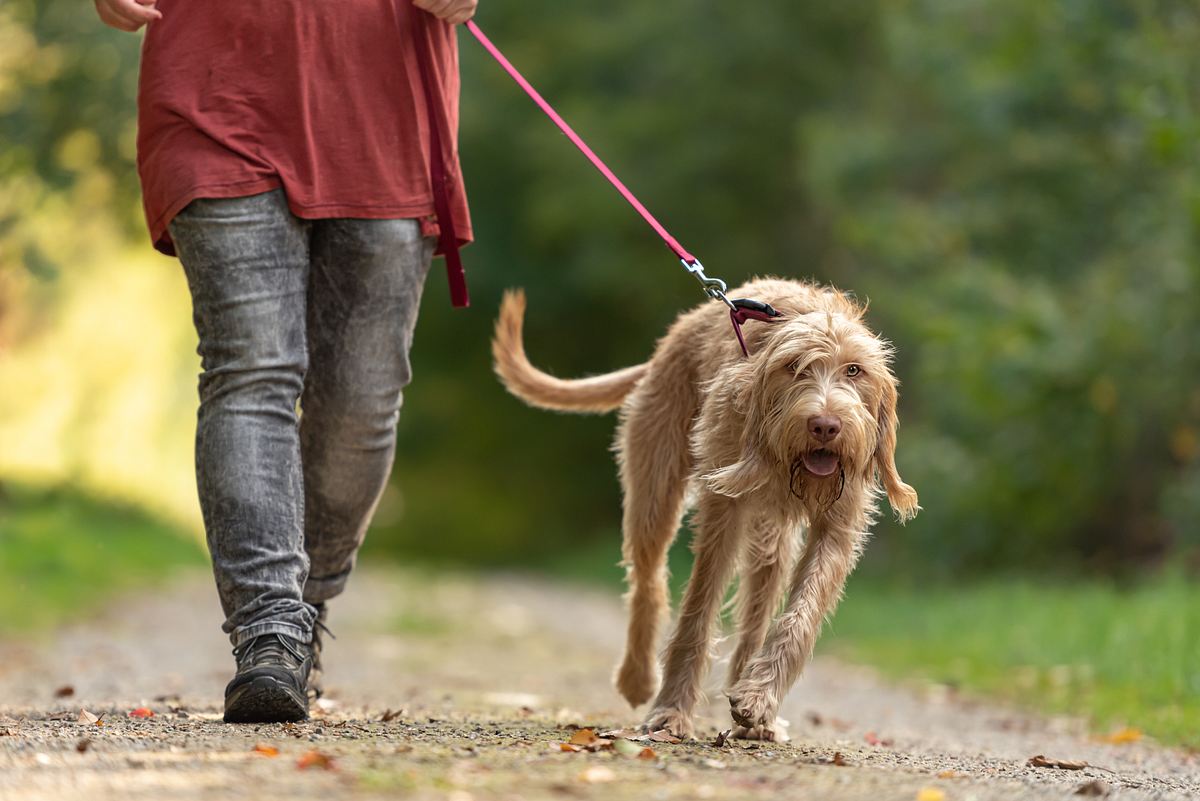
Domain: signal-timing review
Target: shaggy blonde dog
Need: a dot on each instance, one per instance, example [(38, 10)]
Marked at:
[(791, 445)]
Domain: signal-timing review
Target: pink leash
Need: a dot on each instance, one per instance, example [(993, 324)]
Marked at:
[(739, 310)]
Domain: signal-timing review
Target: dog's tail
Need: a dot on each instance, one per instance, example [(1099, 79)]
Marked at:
[(600, 393)]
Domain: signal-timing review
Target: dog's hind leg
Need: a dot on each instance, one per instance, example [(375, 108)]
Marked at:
[(829, 555), (652, 449), (717, 528)]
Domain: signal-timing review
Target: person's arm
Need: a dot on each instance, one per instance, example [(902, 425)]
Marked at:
[(127, 15), (451, 11)]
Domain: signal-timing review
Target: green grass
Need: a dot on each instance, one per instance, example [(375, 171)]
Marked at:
[(1118, 655), (62, 553)]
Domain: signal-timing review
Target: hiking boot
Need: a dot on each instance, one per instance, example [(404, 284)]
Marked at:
[(315, 683), (271, 683)]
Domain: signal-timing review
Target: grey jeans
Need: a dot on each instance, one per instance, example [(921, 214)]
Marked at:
[(305, 328)]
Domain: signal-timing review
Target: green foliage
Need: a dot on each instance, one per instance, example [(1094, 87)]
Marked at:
[(1013, 186), (62, 553), (1124, 656)]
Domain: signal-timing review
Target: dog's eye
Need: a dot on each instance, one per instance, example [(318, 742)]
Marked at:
[(799, 369), (853, 370)]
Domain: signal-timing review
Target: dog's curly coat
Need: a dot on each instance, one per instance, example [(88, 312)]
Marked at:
[(799, 437)]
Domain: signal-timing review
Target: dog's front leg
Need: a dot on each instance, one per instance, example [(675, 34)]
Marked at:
[(829, 556), (717, 529)]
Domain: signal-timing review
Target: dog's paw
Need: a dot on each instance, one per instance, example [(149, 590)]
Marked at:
[(750, 705), (637, 681), (776, 732), (674, 722)]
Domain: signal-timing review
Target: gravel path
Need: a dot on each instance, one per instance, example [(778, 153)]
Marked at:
[(480, 681)]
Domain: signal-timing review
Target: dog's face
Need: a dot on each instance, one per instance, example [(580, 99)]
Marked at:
[(820, 402)]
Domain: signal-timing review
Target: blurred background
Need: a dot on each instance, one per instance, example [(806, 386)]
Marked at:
[(1014, 186)]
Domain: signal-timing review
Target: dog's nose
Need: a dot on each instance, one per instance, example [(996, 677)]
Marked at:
[(824, 428)]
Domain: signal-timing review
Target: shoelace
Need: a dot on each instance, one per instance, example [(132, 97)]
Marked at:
[(266, 646)]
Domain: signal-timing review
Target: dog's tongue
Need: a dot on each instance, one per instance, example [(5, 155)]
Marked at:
[(820, 462)]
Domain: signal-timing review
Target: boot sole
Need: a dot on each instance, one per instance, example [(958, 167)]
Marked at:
[(265, 700)]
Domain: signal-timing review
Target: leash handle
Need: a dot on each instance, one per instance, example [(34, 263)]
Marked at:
[(684, 256)]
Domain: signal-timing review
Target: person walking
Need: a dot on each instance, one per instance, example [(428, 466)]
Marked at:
[(288, 154)]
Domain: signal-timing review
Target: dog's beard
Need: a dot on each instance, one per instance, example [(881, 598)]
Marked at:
[(825, 493)]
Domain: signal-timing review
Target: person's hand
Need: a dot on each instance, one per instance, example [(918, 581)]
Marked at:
[(451, 11), (127, 15)]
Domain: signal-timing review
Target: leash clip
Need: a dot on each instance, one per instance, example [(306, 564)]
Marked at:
[(715, 288)]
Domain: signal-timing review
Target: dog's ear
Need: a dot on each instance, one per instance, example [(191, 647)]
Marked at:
[(901, 496)]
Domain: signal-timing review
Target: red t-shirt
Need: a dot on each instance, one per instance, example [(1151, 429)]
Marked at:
[(321, 98)]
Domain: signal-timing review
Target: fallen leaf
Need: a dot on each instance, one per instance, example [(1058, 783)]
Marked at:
[(838, 760), (265, 750), (315, 759), (930, 794), (584, 737), (87, 718), (141, 712), (1093, 788), (1041, 761), (722, 738), (647, 754), (83, 744), (664, 736), (1122, 736), (569, 748), (873, 739), (65, 691), (624, 734), (597, 774), (388, 716)]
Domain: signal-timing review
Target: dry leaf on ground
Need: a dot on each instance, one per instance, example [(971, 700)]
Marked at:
[(930, 794), (315, 759), (87, 718), (83, 745), (722, 738), (65, 691), (664, 736), (584, 737), (141, 712), (647, 754), (872, 738), (1040, 761), (265, 750), (1122, 736), (623, 734), (388, 716)]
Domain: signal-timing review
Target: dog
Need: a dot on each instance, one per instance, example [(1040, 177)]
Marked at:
[(782, 457)]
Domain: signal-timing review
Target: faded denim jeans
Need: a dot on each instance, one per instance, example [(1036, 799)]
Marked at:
[(305, 328)]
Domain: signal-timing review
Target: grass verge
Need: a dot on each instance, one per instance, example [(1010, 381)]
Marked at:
[(1120, 656), (63, 552)]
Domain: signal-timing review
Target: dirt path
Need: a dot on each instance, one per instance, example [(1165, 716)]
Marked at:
[(484, 679)]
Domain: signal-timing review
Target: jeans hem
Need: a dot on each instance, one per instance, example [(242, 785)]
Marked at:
[(247, 633), (320, 590)]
